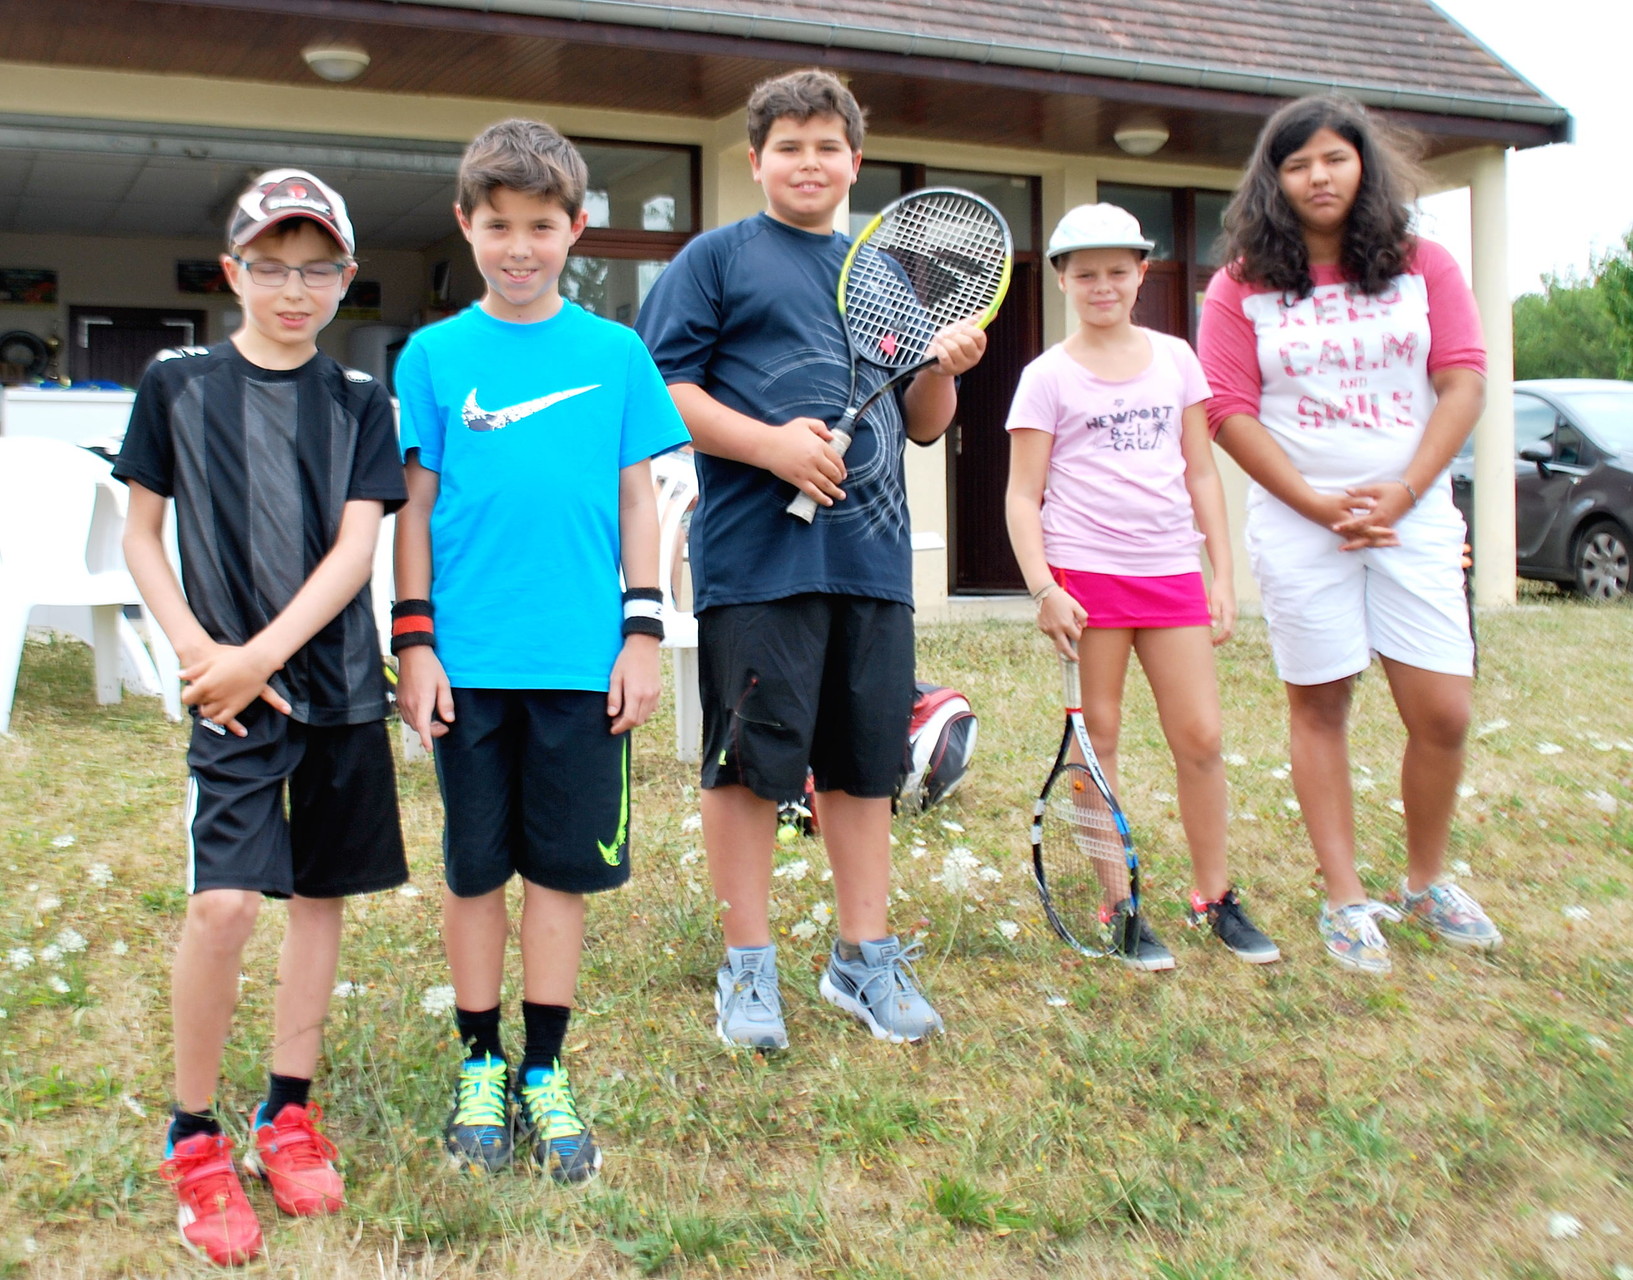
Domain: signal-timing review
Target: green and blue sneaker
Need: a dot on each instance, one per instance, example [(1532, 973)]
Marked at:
[(1352, 938), (478, 1132), (547, 1117), (1450, 912)]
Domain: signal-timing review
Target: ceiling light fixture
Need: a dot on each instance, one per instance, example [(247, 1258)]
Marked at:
[(1145, 138), (336, 62)]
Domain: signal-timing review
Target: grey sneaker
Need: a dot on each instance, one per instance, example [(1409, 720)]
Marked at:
[(478, 1134), (879, 990), (747, 1004), (1453, 914), (1133, 940)]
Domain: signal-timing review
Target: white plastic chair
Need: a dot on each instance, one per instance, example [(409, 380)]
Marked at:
[(676, 479), (61, 522)]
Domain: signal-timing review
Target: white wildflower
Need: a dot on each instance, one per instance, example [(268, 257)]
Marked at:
[(1280, 772), (100, 874), (1291, 805), (957, 828), (409, 891), (346, 990), (51, 953), (1397, 805), (4, 1015), (919, 850), (71, 940), (1364, 784), (1009, 929), (1574, 912), (1247, 815), (1462, 868), (957, 868), (989, 874), (1231, 759), (437, 1000), (1599, 744), (1364, 769), (1490, 727), (821, 912), (1465, 791), (804, 930), (47, 902), (693, 823), (893, 841), (689, 857), (901, 894), (693, 886), (1602, 801), (1162, 797), (1562, 1226), (120, 947), (62, 842), (1056, 1002), (827, 875), (59, 984), (1549, 749), (796, 870)]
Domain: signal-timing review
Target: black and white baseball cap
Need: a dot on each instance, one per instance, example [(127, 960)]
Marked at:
[(281, 194)]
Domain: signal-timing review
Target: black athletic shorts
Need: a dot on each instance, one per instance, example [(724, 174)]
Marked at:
[(337, 835), (824, 681), (535, 784)]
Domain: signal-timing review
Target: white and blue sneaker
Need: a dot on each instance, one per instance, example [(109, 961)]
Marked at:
[(747, 1002), (880, 991)]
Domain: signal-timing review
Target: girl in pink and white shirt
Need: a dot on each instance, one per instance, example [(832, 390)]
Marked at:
[(1112, 488), (1348, 368)]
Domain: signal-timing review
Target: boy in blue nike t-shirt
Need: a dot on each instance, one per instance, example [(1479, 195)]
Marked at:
[(521, 667)]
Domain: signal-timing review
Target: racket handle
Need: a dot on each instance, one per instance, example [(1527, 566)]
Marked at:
[(804, 506), (1070, 688)]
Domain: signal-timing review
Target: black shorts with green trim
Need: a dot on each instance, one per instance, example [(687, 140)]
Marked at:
[(336, 835), (818, 681), (534, 784)]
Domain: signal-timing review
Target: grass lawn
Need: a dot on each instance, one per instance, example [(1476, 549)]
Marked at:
[(1078, 1120)]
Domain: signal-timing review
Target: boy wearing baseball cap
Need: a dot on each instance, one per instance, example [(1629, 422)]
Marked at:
[(281, 464)]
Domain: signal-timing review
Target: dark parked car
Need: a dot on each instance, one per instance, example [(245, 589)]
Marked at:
[(1573, 483)]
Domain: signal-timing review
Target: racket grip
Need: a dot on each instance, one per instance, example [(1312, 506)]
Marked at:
[(1069, 686), (804, 506)]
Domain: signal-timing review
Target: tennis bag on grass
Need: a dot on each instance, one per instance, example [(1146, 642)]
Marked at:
[(940, 740)]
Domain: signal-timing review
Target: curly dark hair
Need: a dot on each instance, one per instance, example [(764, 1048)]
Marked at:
[(1264, 240)]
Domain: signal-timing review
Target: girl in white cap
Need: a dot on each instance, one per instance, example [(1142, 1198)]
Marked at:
[(1112, 487)]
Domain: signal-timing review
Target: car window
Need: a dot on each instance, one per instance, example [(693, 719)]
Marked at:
[(1607, 412), (1568, 446), (1533, 421)]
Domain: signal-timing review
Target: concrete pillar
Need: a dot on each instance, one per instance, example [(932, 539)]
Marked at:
[(1494, 434)]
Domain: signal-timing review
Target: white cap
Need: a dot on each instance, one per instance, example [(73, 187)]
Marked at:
[(1097, 226)]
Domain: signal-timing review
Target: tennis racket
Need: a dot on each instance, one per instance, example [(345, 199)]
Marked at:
[(1082, 855), (928, 260)]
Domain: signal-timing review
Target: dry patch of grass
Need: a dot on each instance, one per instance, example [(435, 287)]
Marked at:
[(1078, 1120)]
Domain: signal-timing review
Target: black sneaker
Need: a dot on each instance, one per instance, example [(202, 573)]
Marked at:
[(1232, 927), (478, 1134), (1132, 940)]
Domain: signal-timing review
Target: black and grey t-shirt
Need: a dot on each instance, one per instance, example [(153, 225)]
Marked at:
[(261, 463)]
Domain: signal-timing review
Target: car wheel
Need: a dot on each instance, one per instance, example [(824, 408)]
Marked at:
[(1600, 562)]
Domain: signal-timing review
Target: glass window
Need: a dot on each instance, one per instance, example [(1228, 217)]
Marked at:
[(876, 186), (639, 188), (1533, 421), (1606, 411), (1153, 206), (1568, 446), (1210, 226), (1010, 195), (613, 288)]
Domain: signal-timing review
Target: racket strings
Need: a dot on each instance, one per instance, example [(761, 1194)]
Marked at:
[(1087, 864), (931, 263)]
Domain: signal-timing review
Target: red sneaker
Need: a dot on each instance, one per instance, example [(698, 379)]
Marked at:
[(296, 1160), (216, 1219)]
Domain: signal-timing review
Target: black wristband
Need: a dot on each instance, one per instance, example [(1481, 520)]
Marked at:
[(412, 624), (644, 627)]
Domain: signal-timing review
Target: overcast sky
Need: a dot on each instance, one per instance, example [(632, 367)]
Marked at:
[(1568, 202)]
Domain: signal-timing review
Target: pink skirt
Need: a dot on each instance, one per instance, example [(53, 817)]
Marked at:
[(1115, 601)]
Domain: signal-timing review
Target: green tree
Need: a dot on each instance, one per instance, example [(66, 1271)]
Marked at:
[(1615, 284), (1567, 330)]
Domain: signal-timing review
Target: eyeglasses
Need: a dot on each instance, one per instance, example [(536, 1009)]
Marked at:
[(315, 275)]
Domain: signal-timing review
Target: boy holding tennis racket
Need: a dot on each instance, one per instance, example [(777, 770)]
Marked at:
[(805, 631), (530, 672), (281, 464)]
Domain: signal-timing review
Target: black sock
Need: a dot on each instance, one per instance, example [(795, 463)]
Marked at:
[(189, 1124), (546, 1029), (281, 1091), (848, 950), (480, 1032)]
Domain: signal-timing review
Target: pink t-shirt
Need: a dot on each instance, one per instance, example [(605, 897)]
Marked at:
[(1115, 500), (1339, 378)]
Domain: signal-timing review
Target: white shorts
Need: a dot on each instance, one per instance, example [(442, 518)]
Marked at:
[(1329, 611)]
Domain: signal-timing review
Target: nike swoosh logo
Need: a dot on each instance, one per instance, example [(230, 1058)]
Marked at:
[(612, 854), (479, 419)]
